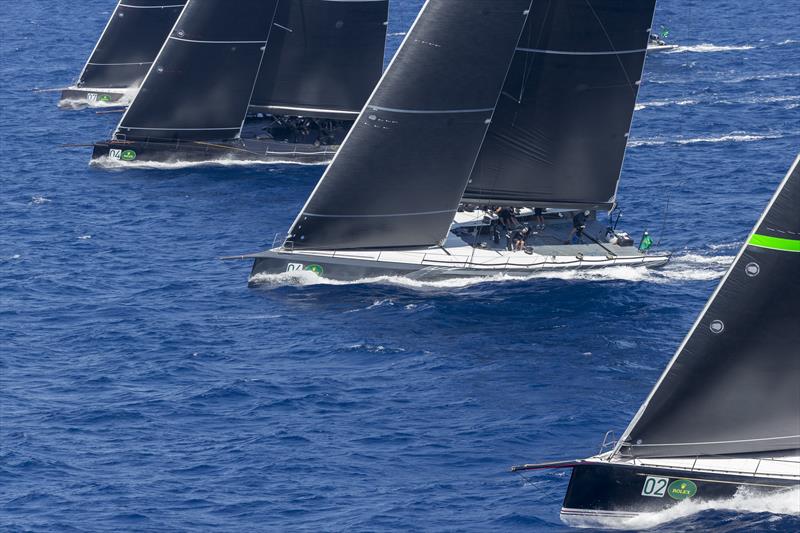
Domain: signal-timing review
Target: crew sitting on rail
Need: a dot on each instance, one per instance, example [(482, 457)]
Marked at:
[(519, 236)]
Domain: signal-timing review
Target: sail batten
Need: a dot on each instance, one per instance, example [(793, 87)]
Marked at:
[(734, 384), (397, 180), (560, 139), (129, 43), (200, 85)]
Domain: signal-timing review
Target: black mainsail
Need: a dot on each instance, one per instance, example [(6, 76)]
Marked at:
[(398, 178), (129, 43), (732, 387), (560, 130), (323, 58), (201, 83)]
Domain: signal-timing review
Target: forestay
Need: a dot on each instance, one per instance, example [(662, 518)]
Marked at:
[(734, 385), (398, 178), (559, 134), (129, 43), (323, 59), (202, 80)]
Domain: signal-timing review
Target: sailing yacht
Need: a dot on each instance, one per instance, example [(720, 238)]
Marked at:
[(487, 105), (725, 415), (123, 54), (254, 80)]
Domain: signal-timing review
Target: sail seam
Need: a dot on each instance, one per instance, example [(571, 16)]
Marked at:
[(568, 53), (215, 42), (430, 111)]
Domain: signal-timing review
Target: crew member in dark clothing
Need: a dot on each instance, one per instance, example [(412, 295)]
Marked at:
[(519, 236), (578, 225), (538, 212), (506, 217)]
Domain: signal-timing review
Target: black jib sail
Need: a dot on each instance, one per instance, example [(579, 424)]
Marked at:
[(398, 178), (131, 40), (202, 80), (323, 59), (559, 134), (734, 385)]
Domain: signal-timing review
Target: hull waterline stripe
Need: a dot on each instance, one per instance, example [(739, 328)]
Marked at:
[(151, 7), (383, 216), (775, 243)]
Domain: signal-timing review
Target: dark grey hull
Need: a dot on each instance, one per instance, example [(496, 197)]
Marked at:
[(602, 492), (80, 98), (245, 150), (346, 269)]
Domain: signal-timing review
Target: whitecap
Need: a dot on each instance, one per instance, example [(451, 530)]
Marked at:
[(709, 47), (38, 199)]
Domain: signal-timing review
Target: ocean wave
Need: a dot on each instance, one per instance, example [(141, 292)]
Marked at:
[(744, 501), (108, 163), (664, 103), (708, 47), (687, 267), (38, 199), (736, 136)]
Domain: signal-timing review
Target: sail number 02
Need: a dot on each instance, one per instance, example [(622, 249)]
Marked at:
[(655, 486)]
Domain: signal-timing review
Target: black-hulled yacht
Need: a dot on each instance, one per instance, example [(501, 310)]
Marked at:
[(254, 80), (725, 416), (123, 54), (487, 104)]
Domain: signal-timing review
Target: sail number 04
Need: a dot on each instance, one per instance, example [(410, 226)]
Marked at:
[(655, 486)]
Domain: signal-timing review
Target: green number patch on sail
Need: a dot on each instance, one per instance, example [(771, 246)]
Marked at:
[(775, 243)]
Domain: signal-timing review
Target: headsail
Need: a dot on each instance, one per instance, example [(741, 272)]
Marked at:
[(202, 80), (129, 43), (559, 134), (323, 59), (398, 178), (734, 385)]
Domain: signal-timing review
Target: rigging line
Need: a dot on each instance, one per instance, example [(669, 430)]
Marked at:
[(631, 86)]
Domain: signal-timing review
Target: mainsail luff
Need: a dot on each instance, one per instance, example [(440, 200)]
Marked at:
[(323, 59), (201, 83), (733, 386), (398, 177), (560, 130), (129, 43)]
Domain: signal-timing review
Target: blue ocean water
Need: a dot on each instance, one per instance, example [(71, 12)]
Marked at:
[(144, 387)]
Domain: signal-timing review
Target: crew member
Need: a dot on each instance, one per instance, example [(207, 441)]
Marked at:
[(578, 225)]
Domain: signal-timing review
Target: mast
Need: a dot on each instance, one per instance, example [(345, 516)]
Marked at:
[(398, 178), (733, 386), (129, 43), (202, 80), (323, 59), (561, 127)]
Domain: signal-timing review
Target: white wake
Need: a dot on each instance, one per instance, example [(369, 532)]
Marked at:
[(703, 48), (782, 503), (109, 163), (687, 267)]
